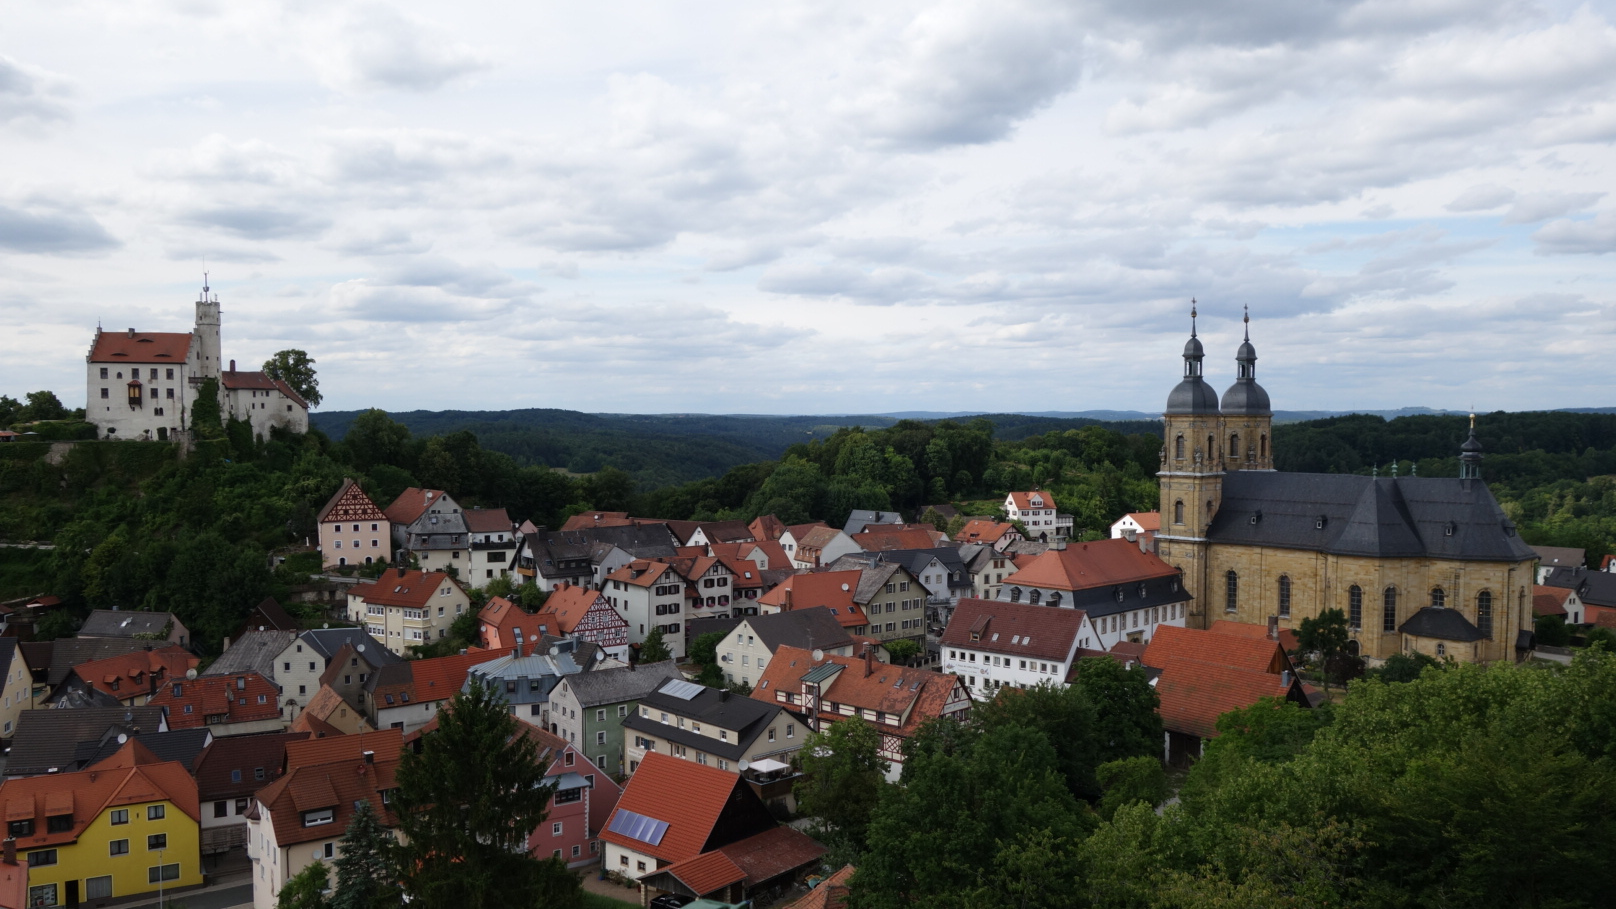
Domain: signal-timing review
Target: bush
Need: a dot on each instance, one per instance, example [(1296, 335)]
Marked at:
[(1552, 631)]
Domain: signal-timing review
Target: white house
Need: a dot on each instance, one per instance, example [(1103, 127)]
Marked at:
[(1036, 511), (991, 644), (1126, 592), (745, 651), (1137, 524), (650, 596), (406, 607), (262, 402), (143, 385)]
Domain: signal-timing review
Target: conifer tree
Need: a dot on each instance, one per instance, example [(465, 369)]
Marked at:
[(654, 650), (365, 877)]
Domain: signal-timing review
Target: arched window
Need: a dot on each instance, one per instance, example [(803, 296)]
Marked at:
[(1178, 509), (1355, 606), (1015, 594), (1035, 596), (1284, 595), (1231, 591), (1484, 613), (1388, 617), (1439, 598), (1234, 445), (1441, 649), (1211, 446), (1178, 448), (1263, 450)]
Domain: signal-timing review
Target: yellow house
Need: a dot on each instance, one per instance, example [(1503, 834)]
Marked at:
[(122, 828)]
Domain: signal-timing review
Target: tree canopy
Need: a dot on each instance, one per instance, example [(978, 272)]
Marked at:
[(296, 368)]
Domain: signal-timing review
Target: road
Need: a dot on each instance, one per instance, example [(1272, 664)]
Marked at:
[(223, 898)]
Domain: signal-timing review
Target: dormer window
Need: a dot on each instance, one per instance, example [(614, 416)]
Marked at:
[(319, 816)]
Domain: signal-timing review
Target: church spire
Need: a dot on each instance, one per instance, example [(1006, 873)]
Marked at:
[(1194, 353), (1470, 455)]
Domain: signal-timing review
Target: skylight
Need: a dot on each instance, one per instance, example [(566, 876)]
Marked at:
[(682, 689), (639, 827)]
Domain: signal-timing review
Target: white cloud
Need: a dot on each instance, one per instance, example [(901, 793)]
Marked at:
[(30, 94)]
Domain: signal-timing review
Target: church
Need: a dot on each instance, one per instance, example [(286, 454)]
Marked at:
[(1427, 564), (142, 386)]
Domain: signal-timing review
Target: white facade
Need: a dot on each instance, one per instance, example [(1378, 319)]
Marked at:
[(653, 601), (985, 670), (1036, 511), (1125, 525), (143, 385), (399, 626), (1136, 624), (262, 403)]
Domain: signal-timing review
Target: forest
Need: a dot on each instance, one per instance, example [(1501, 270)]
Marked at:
[(136, 525)]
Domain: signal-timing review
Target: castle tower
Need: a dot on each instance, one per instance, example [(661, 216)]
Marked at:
[(1191, 474), (207, 333), (1247, 419)]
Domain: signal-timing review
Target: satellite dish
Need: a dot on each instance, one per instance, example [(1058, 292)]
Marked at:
[(360, 649), (818, 654), (122, 738), (326, 625), (317, 854), (845, 587), (744, 764), (190, 674)]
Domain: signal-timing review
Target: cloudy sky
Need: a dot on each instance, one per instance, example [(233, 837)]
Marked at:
[(814, 207)]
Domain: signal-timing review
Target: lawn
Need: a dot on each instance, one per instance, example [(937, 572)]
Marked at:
[(596, 901)]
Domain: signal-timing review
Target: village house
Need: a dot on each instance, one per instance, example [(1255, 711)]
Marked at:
[(832, 589), (143, 385), (888, 538), (430, 524), (238, 704), (53, 741), (1205, 674), (895, 700), (587, 710), (1560, 601), (584, 799), (300, 819), (256, 651), (353, 531), (989, 533), (406, 695), (1137, 525), (986, 567), (745, 652), (330, 713), (1127, 592), (894, 602), (709, 726), (1552, 557), (493, 543), (16, 692), (262, 402), (123, 828), (706, 533), (128, 679), (586, 615), (992, 644), (349, 655), (860, 519), (650, 596), (228, 771), (524, 683), (137, 624), (405, 607), (1595, 591), (813, 545), (692, 831), (1036, 512), (708, 585)]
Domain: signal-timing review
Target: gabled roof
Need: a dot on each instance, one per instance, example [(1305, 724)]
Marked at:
[(327, 642), (501, 622), (235, 697), (254, 651), (1170, 642), (1082, 566), (1561, 556), (1549, 600), (1024, 500), (411, 504), (724, 532), (711, 707), (47, 739), (326, 703), (914, 695), (568, 605), (271, 616), (1596, 588), (817, 538), (706, 872), (1014, 629), (887, 540), (686, 796), (1194, 694), (349, 503), (488, 520), (332, 773), (767, 527), (131, 776), (811, 628), (615, 686), (597, 519), (1287, 636), (229, 767), (259, 381), (832, 589), (1149, 521), (182, 745), (141, 347), (831, 893), (980, 530), (124, 623), (776, 555), (131, 674), (386, 743), (859, 518), (645, 573), (411, 588)]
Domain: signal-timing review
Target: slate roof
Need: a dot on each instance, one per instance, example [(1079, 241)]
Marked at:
[(123, 623), (327, 641), (48, 738), (1018, 629), (1380, 517), (254, 651), (1437, 622), (743, 716), (858, 517), (614, 686), (1561, 556), (140, 347), (182, 745), (809, 629), (64, 653), (228, 768), (1596, 588)]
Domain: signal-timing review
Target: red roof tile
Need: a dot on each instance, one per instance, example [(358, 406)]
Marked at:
[(706, 872), (982, 531), (767, 528), (1287, 636), (228, 767), (241, 697), (568, 605), (1170, 642), (687, 796), (890, 540), (140, 347), (1549, 600), (832, 589), (132, 674), (411, 504), (767, 855), (912, 695), (1020, 629), (831, 893), (413, 589), (488, 520), (130, 776), (1194, 694), (1149, 521), (349, 503), (597, 519), (1024, 500), (1082, 566)]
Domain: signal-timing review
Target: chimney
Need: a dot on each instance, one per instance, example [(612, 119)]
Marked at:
[(788, 600), (1128, 534), (370, 757), (869, 658), (1143, 545), (131, 332), (723, 694), (11, 851), (1285, 679), (1273, 628), (232, 365)]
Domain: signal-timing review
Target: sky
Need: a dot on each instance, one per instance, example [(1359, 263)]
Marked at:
[(822, 207)]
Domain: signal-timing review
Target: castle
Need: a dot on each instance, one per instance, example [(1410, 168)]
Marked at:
[(144, 385), (1427, 564)]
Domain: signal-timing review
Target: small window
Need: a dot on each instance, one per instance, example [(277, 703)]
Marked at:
[(118, 847), (156, 841), (42, 858), (1439, 598), (318, 817), (120, 816), (154, 812)]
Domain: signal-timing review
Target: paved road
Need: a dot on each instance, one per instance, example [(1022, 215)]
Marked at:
[(223, 898)]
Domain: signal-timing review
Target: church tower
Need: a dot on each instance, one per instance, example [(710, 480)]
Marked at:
[(207, 333), (1191, 474), (1247, 420)]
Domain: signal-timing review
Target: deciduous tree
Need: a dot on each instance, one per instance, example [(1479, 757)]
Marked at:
[(296, 368), (844, 774)]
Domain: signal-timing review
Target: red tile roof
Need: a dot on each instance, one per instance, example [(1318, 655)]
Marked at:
[(889, 540), (1023, 500), (831, 893), (767, 855), (1549, 600), (1081, 566), (413, 589), (772, 550), (1170, 642), (706, 872), (1039, 632), (140, 347), (432, 679), (501, 619), (332, 773), (912, 695), (488, 520), (131, 674), (597, 519), (687, 796), (1194, 694), (1149, 521), (767, 528), (130, 776), (411, 504), (980, 530), (386, 743), (832, 589), (1287, 636), (236, 697), (646, 573), (349, 503), (567, 605)]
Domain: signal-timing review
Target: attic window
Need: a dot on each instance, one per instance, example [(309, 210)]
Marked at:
[(1118, 594), (1256, 516), (1318, 523), (318, 817), (1449, 528), (995, 636)]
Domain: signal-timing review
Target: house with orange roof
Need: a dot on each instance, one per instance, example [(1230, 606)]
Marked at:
[(811, 546), (432, 526), (121, 828), (408, 694), (767, 528), (1560, 601), (1285, 637), (1128, 593), (597, 519), (895, 700), (887, 539), (237, 704), (405, 607), (992, 644), (505, 627), (585, 614), (694, 830), (329, 712), (130, 679), (300, 818), (1036, 512), (709, 587), (143, 384), (1136, 525), (988, 532), (650, 596), (263, 402), (353, 530), (835, 590), (228, 771)]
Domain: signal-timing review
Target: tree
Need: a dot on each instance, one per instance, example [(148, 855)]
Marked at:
[(10, 410), (1125, 707), (467, 803), (653, 650), (305, 889), (206, 418), (1138, 779), (843, 775), (609, 489), (1326, 636), (365, 877), (1600, 636), (1404, 667), (1552, 630), (374, 439), (295, 368), (1067, 718), (902, 650), (703, 651), (43, 405), (58, 623)]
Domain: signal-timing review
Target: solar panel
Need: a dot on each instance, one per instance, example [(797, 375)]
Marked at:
[(682, 689), (639, 827)]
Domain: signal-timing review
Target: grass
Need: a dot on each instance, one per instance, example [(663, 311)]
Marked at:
[(596, 901)]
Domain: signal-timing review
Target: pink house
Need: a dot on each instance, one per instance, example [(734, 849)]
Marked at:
[(584, 799)]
